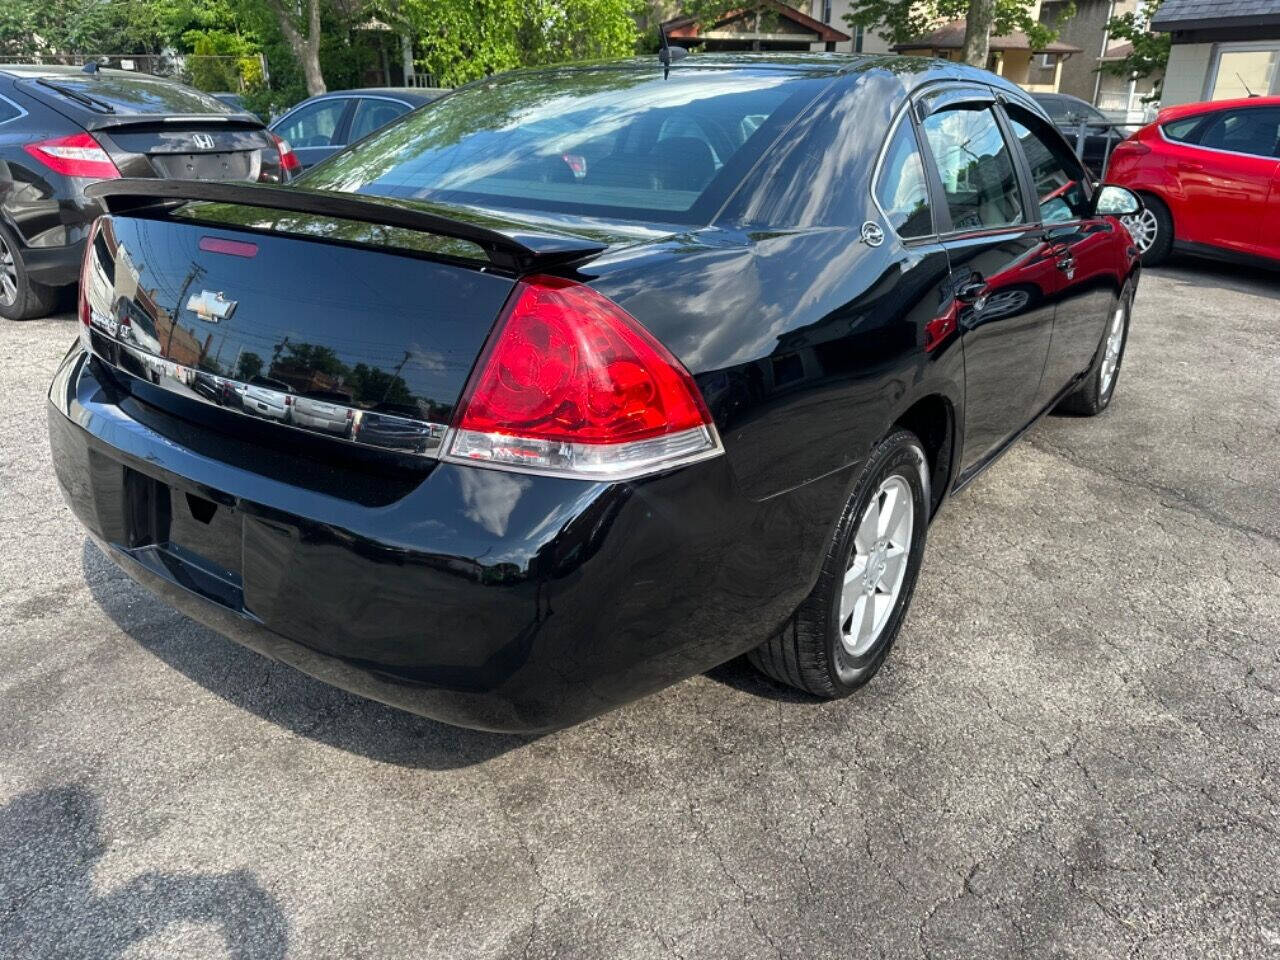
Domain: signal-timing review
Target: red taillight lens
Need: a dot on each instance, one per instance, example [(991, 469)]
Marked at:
[(288, 159), (78, 155), (570, 383), (86, 276)]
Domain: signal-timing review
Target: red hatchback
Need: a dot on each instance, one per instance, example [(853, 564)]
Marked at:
[(1209, 174)]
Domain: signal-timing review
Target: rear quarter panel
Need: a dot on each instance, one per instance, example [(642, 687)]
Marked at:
[(806, 342)]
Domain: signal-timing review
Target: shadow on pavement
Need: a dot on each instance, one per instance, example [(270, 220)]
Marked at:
[(279, 693), (1201, 274), (741, 675), (50, 841)]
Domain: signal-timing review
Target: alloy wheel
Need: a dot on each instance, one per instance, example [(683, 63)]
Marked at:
[(1143, 228), (877, 567), (1111, 354), (8, 275)]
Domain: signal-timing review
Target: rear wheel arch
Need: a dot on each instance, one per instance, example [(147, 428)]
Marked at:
[(932, 418)]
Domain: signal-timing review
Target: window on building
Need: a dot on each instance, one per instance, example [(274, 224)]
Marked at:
[(1241, 70)]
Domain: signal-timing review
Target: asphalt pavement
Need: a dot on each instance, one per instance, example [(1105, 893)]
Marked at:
[(1072, 751)]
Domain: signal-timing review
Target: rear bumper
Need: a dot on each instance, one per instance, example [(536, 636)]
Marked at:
[(480, 598)]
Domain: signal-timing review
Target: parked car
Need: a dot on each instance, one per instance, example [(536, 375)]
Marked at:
[(1087, 129), (62, 128), (321, 126), (265, 397), (329, 412), (701, 401), (1209, 177)]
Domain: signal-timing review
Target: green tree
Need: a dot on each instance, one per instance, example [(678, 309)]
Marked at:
[(248, 366), (1150, 52), (903, 20), (463, 40), (301, 28)]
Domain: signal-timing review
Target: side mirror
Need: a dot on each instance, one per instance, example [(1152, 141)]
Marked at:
[(1115, 201)]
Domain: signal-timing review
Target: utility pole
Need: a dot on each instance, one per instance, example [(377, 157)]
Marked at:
[(194, 274), (977, 32)]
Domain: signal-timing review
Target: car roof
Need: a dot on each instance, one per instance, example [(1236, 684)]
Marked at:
[(913, 71), (63, 70), (399, 93), (1212, 106)]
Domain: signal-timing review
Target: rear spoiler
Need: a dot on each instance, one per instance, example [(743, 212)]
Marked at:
[(511, 247)]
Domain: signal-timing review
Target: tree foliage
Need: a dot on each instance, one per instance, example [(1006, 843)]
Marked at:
[(903, 20), (454, 40), (461, 40), (1150, 52)]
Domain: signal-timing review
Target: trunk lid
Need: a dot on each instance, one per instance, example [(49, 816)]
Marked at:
[(217, 322), (194, 148)]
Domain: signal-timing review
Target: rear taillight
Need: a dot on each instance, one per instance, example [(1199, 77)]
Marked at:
[(289, 161), (570, 384), (85, 275), (78, 155)]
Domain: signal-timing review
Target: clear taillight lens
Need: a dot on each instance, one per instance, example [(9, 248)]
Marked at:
[(78, 155), (570, 384)]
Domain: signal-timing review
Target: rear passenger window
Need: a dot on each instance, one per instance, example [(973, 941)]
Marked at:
[(8, 111), (976, 168), (1183, 129), (1253, 130), (901, 189), (372, 115), (1056, 172), (314, 125)]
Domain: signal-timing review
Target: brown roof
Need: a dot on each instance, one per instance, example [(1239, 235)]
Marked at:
[(1118, 52), (688, 28), (950, 36)]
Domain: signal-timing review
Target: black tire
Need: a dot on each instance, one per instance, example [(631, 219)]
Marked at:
[(809, 653), (28, 299), (1090, 398), (1162, 243)]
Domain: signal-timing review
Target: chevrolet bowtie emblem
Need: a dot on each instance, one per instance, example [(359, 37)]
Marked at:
[(211, 307)]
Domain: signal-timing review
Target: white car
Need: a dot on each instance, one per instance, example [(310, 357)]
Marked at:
[(268, 398)]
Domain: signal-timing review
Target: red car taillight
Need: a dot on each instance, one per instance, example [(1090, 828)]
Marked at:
[(288, 159), (85, 276), (78, 155), (571, 384)]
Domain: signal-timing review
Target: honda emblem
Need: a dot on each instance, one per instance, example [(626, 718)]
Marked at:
[(203, 141)]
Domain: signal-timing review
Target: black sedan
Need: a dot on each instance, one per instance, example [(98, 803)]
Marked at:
[(62, 128), (688, 365)]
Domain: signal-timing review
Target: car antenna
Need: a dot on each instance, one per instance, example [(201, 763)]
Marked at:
[(669, 54), (91, 67), (1246, 86)]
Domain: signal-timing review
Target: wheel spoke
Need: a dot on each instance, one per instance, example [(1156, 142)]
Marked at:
[(869, 528), (890, 511), (894, 566), (866, 622)]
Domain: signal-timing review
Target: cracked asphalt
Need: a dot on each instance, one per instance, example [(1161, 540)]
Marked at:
[(1072, 752)]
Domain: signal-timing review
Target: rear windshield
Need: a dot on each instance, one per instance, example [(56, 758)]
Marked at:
[(140, 94), (619, 142)]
